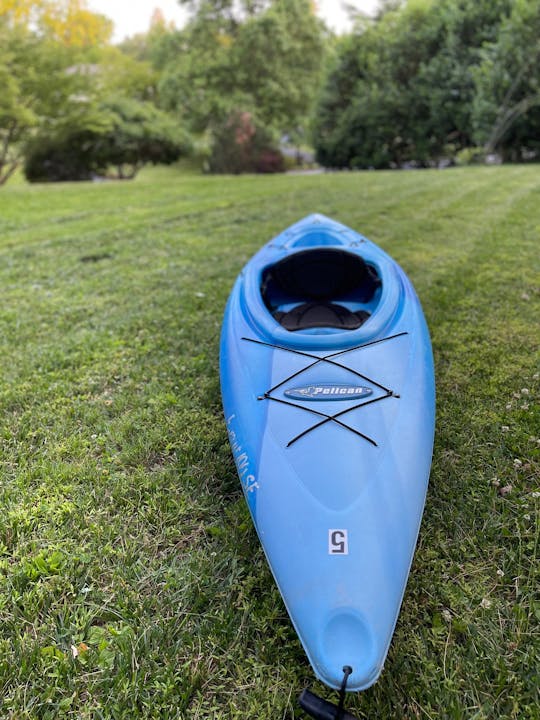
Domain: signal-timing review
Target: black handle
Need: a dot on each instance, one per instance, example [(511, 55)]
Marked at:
[(320, 709)]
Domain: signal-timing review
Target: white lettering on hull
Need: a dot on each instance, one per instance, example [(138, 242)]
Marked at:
[(241, 459)]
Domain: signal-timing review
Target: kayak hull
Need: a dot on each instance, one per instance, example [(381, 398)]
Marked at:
[(332, 435)]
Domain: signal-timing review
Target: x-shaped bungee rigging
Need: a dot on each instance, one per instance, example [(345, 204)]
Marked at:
[(328, 359)]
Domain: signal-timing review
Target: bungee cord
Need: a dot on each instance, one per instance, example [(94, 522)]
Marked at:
[(267, 395)]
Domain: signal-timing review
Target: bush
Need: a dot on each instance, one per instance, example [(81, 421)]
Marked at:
[(471, 156), (122, 133), (63, 158), (240, 145)]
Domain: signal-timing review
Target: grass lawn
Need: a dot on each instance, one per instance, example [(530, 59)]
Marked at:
[(132, 584)]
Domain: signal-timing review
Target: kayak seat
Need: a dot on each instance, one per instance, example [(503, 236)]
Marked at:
[(321, 314), (320, 288)]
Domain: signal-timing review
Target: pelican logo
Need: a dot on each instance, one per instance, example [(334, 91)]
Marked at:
[(328, 391)]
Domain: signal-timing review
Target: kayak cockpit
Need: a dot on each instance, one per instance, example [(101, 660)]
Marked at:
[(320, 290)]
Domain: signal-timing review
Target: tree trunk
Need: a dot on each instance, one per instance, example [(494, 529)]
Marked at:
[(505, 121), (6, 174)]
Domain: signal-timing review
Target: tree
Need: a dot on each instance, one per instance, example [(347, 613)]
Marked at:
[(16, 117), (506, 110), (39, 41), (116, 73), (370, 113), (34, 86), (278, 59), (253, 56), (403, 86), (446, 82), (139, 134)]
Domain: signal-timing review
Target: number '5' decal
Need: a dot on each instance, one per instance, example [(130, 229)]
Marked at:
[(338, 542)]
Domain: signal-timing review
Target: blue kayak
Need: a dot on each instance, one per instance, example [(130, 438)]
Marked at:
[(329, 398)]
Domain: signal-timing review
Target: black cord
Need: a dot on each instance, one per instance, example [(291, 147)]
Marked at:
[(326, 358), (330, 418), (327, 418), (347, 670)]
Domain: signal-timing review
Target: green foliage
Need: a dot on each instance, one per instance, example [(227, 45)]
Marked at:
[(67, 151), (120, 132), (278, 57), (63, 158), (506, 110), (132, 583), (266, 60), (471, 156), (117, 73), (16, 119), (417, 84), (34, 83), (428, 79), (49, 81), (140, 134)]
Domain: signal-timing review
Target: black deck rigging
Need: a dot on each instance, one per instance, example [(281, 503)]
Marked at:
[(267, 395)]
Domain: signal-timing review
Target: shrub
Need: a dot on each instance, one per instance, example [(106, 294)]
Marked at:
[(471, 156), (122, 133), (62, 158), (240, 145)]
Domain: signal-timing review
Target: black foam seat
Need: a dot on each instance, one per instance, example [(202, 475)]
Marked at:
[(321, 314)]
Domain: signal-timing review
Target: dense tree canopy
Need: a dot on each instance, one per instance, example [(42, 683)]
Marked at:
[(506, 109), (261, 57), (427, 79)]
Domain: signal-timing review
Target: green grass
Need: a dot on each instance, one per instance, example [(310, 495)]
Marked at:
[(132, 584)]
